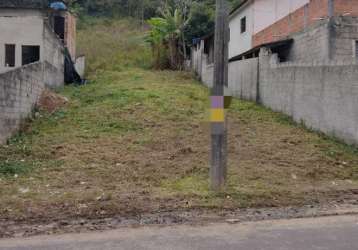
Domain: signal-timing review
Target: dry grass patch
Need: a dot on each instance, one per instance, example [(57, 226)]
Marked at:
[(135, 141)]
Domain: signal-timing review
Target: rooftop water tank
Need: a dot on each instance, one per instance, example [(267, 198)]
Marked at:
[(58, 6)]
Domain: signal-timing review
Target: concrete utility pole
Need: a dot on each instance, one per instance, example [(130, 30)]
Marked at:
[(218, 169)]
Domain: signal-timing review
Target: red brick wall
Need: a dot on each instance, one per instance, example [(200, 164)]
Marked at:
[(294, 22), (346, 7)]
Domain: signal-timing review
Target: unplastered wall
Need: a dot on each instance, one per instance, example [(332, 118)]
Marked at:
[(323, 97), (326, 40), (196, 57), (346, 7), (53, 58), (320, 94), (345, 36), (243, 79), (207, 72), (19, 92), (312, 44)]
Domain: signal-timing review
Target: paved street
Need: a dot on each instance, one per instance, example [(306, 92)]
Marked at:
[(329, 233)]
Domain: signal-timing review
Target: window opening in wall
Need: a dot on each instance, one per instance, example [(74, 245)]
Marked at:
[(10, 55), (356, 49), (30, 54), (243, 24)]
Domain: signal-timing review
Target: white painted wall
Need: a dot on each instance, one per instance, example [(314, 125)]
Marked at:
[(20, 27), (81, 65), (241, 42), (260, 14), (267, 12)]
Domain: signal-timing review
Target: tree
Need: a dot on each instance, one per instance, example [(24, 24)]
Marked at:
[(185, 20), (169, 30), (201, 22), (157, 40)]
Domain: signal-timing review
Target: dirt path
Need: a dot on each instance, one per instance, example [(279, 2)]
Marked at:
[(10, 229)]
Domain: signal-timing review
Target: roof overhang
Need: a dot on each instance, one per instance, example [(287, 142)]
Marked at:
[(272, 45)]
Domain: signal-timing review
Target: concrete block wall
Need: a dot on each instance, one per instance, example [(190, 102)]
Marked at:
[(326, 40), (196, 57), (20, 89), (323, 97), (200, 65), (320, 94), (304, 17), (345, 32), (312, 44), (53, 76), (19, 92), (207, 73), (243, 79), (53, 59)]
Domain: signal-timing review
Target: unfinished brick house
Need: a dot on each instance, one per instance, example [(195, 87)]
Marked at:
[(330, 25), (298, 57), (301, 30)]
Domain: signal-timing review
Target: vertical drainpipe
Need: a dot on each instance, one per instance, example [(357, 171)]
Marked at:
[(331, 29)]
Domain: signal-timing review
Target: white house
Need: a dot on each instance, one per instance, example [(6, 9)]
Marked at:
[(241, 29), (254, 16), (283, 25)]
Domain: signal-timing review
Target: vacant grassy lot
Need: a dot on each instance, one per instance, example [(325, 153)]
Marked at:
[(135, 140)]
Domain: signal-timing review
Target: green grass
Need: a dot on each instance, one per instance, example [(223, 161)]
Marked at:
[(12, 168), (143, 134), (135, 140), (111, 44)]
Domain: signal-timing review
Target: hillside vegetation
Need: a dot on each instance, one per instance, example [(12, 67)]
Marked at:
[(113, 45), (135, 140)]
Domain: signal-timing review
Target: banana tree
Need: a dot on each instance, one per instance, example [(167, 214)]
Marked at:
[(171, 26), (157, 40)]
